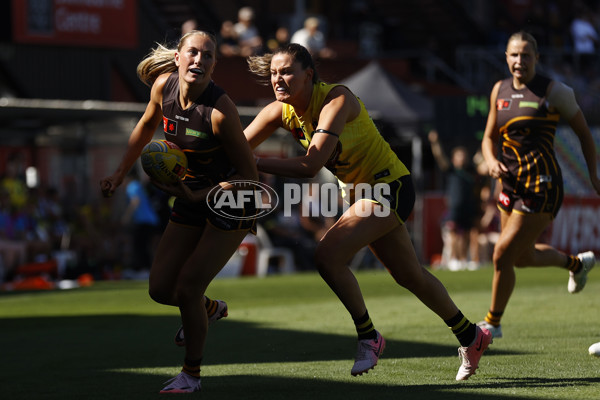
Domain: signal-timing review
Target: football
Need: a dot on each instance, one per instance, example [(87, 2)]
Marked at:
[(595, 349), (164, 161)]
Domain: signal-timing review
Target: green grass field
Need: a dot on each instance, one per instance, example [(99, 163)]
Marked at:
[(288, 337)]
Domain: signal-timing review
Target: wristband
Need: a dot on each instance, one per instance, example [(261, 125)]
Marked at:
[(327, 132)]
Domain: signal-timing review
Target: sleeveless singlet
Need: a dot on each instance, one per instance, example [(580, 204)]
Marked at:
[(527, 129), (362, 154), (191, 130)]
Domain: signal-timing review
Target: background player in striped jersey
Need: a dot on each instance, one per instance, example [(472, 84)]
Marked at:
[(524, 112)]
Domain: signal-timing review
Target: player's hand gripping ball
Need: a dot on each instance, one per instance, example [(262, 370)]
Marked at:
[(164, 161)]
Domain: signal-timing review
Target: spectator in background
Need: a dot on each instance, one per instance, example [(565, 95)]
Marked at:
[(557, 37), (227, 40), (143, 222), (585, 40), (31, 228), (22, 239), (463, 207), (248, 36), (97, 240), (161, 204), (50, 215), (312, 39), (288, 232), (13, 180), (188, 26), (488, 227), (281, 38), (13, 249)]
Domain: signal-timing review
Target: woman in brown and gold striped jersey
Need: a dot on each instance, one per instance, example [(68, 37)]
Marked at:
[(524, 112), (200, 118)]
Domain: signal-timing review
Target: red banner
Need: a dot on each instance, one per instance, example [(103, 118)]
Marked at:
[(434, 209), (577, 225), (575, 229), (102, 23)]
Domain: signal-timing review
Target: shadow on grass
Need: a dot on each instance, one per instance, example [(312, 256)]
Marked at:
[(131, 341), (279, 388), (69, 356), (250, 387)]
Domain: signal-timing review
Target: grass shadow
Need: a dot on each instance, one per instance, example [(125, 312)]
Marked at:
[(252, 387), (133, 341), (82, 350), (230, 341), (276, 388)]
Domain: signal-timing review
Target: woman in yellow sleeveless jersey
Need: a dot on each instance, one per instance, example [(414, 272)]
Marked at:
[(201, 119), (334, 127), (524, 113)]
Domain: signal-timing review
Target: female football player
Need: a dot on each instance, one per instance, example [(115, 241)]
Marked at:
[(201, 119), (334, 127), (524, 113)]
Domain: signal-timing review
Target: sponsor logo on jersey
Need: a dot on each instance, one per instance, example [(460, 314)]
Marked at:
[(504, 199), (169, 126), (382, 174), (545, 178), (529, 104), (198, 134), (503, 104)]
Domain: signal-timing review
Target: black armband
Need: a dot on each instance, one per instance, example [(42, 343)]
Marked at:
[(327, 132)]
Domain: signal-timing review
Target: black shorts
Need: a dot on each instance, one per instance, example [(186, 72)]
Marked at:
[(462, 219), (400, 198), (548, 201), (227, 219)]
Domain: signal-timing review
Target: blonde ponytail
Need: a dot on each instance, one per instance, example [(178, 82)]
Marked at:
[(161, 60)]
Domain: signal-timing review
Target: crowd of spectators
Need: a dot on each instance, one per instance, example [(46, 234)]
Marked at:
[(105, 241), (568, 37), (95, 239), (556, 25), (243, 38)]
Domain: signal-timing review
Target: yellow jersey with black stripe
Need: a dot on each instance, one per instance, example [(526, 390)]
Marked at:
[(362, 154), (527, 128)]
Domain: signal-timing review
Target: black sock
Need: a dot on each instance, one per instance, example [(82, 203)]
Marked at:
[(365, 328), (573, 264), (192, 367), (463, 329)]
